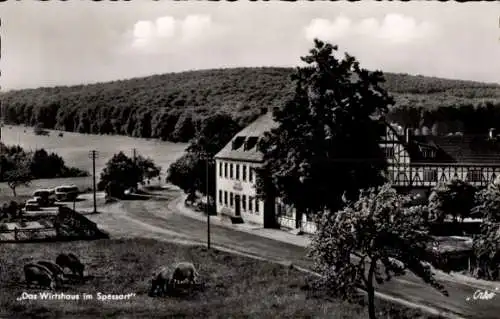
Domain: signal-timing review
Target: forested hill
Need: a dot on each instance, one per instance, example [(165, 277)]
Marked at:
[(169, 106)]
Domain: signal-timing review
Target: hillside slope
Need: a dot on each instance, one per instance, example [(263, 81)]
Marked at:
[(169, 106)]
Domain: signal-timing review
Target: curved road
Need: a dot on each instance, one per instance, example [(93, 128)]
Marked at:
[(161, 220)]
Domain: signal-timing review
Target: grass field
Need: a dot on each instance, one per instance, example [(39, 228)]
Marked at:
[(74, 147), (236, 286)]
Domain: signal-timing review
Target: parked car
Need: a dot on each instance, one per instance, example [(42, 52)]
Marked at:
[(67, 193), (44, 197), (31, 205)]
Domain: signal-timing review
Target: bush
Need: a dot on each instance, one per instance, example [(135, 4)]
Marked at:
[(39, 130), (10, 210)]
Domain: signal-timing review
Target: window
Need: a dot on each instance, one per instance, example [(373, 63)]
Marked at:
[(238, 142), (389, 151), (257, 206), (428, 152), (250, 142), (244, 172), (225, 170), (225, 198), (430, 175), (220, 169), (250, 174), (237, 171), (220, 196), (231, 171), (250, 203), (244, 203), (231, 199), (474, 175)]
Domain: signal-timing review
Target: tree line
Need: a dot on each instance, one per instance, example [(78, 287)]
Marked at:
[(18, 167), (173, 106)]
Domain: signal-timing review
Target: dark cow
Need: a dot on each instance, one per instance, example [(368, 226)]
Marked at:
[(159, 281), (40, 274), (71, 262), (56, 270), (184, 271)]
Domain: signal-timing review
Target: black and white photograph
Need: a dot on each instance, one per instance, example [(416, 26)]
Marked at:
[(250, 159)]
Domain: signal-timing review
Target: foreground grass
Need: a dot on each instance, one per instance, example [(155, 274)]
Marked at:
[(235, 286)]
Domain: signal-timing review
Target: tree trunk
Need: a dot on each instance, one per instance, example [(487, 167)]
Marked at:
[(13, 190), (371, 291)]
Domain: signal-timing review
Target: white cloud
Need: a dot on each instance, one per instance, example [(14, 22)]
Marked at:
[(160, 34), (143, 29), (397, 28), (328, 30), (165, 27), (394, 28), (194, 26)]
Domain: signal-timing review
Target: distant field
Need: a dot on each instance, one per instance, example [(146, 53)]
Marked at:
[(236, 287), (74, 148)]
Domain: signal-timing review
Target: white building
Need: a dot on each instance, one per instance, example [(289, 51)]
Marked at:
[(235, 169), (236, 179)]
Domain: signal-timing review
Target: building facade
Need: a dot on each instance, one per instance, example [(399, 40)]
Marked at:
[(416, 163), (235, 170)]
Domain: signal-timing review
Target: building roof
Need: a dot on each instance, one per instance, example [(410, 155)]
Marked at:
[(463, 148), (458, 148), (243, 146)]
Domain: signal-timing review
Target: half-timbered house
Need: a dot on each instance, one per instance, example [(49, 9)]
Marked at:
[(420, 162)]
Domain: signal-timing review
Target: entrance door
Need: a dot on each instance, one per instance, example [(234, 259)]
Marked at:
[(237, 207)]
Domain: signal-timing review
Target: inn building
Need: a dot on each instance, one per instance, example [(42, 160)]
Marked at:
[(416, 163)]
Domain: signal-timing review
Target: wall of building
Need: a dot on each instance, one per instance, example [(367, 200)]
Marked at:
[(251, 209), (287, 218)]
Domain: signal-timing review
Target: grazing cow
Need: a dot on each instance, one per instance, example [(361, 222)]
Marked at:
[(184, 271), (71, 262), (56, 270), (159, 281), (41, 274)]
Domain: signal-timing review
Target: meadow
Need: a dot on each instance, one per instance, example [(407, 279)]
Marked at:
[(235, 286), (74, 149)]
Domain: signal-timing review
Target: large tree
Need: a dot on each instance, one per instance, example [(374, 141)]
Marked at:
[(487, 244), (378, 236), (190, 171), (16, 171), (122, 172), (327, 142), (147, 168), (455, 199)]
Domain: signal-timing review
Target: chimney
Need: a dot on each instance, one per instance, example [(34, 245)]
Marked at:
[(492, 133), (408, 134), (263, 110)]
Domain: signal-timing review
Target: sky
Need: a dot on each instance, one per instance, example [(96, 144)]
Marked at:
[(75, 42)]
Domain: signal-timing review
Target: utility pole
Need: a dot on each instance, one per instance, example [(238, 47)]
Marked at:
[(93, 155), (207, 159), (134, 155), (208, 204)]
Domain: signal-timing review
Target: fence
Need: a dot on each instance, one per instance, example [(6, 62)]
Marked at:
[(28, 234), (68, 224), (289, 222)]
